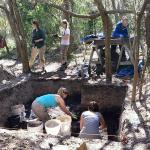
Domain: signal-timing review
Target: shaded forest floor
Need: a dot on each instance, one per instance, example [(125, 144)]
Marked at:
[(14, 67)]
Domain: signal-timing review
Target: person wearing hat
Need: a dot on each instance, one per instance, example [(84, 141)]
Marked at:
[(42, 103), (120, 31)]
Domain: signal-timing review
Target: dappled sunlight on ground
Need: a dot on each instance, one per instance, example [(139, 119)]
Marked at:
[(52, 67), (136, 118)]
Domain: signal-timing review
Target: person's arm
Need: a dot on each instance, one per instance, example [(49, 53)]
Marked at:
[(102, 122), (67, 34), (42, 38), (62, 105), (125, 32), (39, 40), (81, 122), (117, 31)]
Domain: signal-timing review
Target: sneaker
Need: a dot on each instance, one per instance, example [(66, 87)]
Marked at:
[(43, 69), (64, 65), (62, 68)]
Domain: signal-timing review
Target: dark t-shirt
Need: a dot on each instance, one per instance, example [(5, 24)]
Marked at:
[(36, 35)]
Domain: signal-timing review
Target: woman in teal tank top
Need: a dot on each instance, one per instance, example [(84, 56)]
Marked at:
[(40, 104)]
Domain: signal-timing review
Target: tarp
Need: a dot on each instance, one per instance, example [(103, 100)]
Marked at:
[(88, 37), (125, 72), (128, 71)]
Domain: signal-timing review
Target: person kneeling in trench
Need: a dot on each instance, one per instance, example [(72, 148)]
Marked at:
[(42, 103), (91, 121)]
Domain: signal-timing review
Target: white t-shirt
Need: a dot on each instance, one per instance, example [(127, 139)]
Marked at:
[(91, 125), (65, 41)]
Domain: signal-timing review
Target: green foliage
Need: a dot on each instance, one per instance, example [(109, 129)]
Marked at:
[(4, 25), (47, 17), (50, 17), (4, 54), (83, 27)]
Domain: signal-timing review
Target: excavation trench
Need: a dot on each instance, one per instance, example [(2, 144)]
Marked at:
[(109, 97)]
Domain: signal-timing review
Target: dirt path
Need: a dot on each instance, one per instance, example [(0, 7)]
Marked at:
[(136, 118)]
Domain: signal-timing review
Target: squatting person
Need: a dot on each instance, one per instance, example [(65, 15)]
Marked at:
[(40, 104)]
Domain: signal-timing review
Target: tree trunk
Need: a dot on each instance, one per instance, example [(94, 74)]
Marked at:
[(136, 47), (66, 5), (5, 43), (147, 61), (107, 25), (24, 53), (147, 27), (114, 8), (121, 6), (18, 32), (13, 28)]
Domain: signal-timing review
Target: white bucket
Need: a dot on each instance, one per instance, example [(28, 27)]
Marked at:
[(35, 126), (65, 125), (53, 126)]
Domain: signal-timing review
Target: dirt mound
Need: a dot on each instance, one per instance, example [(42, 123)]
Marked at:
[(5, 74)]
